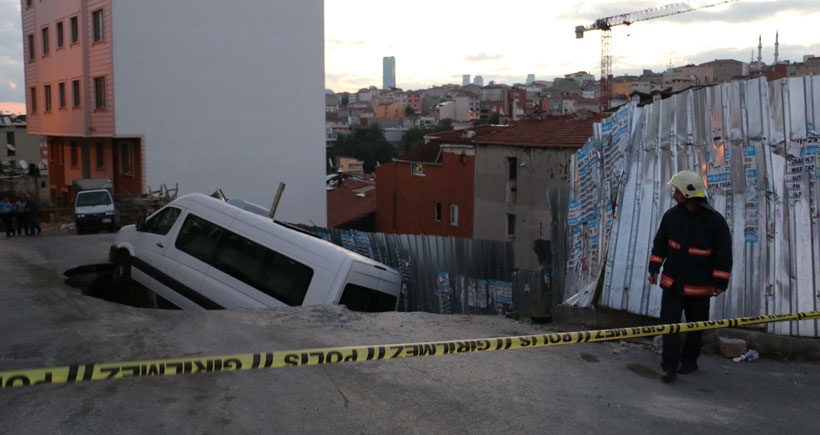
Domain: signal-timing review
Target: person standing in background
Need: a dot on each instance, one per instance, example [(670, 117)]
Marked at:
[(33, 219), (21, 216), (6, 216)]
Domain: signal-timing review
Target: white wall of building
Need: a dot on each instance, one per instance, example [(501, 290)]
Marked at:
[(226, 95)]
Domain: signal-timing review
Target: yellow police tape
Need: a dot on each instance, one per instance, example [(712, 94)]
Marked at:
[(331, 355)]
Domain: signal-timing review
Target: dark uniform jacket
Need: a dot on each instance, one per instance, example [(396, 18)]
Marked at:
[(695, 250)]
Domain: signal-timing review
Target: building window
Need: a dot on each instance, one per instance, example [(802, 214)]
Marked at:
[(28, 3), (512, 173), (75, 30), (74, 154), (438, 212), (97, 21), (454, 215), (100, 156), (47, 96), (45, 41), (33, 93), (75, 90), (127, 158), (52, 152), (60, 42), (31, 47), (510, 225), (417, 169), (99, 92), (61, 94), (10, 149)]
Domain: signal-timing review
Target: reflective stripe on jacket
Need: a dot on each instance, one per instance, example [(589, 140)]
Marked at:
[(694, 249)]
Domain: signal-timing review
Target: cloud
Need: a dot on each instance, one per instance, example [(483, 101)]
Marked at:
[(736, 12), (746, 12), (333, 44), (13, 108), (350, 82), (483, 57)]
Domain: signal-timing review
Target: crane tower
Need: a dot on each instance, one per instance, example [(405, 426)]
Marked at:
[(605, 26)]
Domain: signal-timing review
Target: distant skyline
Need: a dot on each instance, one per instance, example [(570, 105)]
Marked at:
[(437, 42)]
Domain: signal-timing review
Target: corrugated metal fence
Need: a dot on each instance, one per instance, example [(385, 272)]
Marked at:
[(447, 275), (756, 144)]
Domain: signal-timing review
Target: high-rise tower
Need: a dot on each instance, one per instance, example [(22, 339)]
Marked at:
[(388, 72)]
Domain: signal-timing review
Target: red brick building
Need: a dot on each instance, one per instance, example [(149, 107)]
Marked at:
[(429, 190)]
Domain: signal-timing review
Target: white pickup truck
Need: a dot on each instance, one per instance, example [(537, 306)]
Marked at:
[(94, 207)]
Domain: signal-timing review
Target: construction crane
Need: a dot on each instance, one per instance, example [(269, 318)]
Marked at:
[(605, 26)]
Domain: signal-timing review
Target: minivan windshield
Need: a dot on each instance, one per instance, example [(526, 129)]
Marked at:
[(85, 199)]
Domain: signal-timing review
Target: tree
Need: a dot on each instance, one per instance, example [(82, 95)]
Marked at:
[(367, 145), (412, 139), (408, 111)]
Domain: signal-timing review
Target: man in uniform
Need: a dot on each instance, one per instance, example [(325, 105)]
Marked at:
[(694, 246)]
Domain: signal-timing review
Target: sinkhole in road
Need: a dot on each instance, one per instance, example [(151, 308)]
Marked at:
[(96, 280)]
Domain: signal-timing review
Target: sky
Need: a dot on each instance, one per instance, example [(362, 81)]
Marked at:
[(435, 42)]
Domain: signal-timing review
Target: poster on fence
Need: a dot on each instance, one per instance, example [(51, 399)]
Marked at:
[(408, 283), (444, 291), (483, 294), (347, 241), (751, 211), (324, 235), (363, 244)]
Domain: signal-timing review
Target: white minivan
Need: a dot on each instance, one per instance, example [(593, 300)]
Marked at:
[(199, 252)]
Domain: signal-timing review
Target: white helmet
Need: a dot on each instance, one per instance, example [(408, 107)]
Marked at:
[(690, 184)]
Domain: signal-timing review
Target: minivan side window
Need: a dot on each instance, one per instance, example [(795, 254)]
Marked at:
[(264, 269), (358, 298), (162, 222)]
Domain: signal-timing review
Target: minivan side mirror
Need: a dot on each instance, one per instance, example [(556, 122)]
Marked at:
[(140, 223)]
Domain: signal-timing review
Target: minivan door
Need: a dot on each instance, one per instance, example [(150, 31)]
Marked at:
[(153, 248), (152, 237)]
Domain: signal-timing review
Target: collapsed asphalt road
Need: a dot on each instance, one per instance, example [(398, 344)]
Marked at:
[(610, 387)]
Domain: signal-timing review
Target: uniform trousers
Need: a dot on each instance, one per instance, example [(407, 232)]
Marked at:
[(696, 309)]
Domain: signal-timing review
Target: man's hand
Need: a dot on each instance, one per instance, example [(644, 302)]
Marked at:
[(716, 291), (653, 278)]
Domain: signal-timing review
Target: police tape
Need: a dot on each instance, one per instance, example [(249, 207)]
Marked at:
[(331, 355)]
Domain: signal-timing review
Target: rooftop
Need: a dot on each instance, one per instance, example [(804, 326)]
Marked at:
[(355, 199), (566, 131)]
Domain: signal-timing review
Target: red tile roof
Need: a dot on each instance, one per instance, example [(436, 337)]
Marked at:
[(552, 132), (356, 198)]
